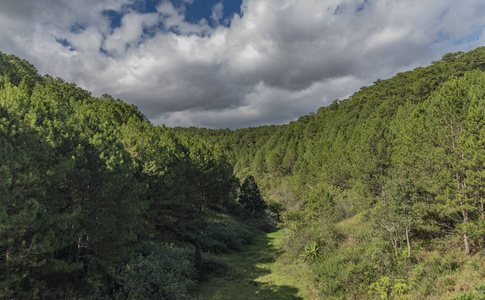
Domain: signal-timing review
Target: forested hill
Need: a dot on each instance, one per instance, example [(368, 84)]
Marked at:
[(383, 191), (96, 202), (380, 194)]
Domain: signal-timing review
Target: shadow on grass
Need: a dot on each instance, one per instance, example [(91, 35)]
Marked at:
[(283, 292), (245, 268)]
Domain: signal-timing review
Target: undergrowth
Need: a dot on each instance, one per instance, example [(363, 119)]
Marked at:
[(361, 264)]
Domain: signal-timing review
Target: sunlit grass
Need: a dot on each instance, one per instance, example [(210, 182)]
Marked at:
[(260, 271), (285, 271)]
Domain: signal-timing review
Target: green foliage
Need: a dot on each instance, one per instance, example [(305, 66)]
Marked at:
[(400, 287), (382, 287), (85, 179), (17, 71), (476, 294), (212, 265), (250, 197), (385, 288), (450, 124), (311, 251), (31, 231), (219, 237), (156, 271)]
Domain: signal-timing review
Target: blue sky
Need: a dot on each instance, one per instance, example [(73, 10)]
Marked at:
[(195, 10), (234, 64), (203, 9)]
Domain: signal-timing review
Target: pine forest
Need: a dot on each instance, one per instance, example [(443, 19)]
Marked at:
[(377, 196)]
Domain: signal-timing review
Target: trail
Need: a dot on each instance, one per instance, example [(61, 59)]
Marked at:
[(260, 271)]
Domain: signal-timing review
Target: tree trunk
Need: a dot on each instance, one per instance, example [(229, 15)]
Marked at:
[(287, 237), (198, 261), (78, 251), (465, 235), (482, 211), (407, 241), (460, 183), (87, 247), (464, 212)]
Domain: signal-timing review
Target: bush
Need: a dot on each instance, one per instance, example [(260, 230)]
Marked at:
[(156, 271), (476, 294), (218, 237), (348, 272), (213, 265)]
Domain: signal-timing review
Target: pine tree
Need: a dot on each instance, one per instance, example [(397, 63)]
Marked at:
[(453, 123), (250, 196)]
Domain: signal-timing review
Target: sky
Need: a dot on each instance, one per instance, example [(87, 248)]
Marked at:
[(234, 63)]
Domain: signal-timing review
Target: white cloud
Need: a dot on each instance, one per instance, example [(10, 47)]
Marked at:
[(130, 33), (278, 60), (258, 107), (175, 19), (217, 12)]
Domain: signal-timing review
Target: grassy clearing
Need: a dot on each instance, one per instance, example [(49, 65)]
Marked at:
[(261, 271)]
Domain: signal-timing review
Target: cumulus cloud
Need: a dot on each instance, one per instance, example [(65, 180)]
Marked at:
[(217, 12), (277, 60)]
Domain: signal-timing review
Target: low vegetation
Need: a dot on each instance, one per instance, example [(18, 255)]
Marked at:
[(262, 270)]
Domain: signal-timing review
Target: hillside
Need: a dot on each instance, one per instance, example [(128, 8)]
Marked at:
[(404, 158), (96, 202), (380, 195)]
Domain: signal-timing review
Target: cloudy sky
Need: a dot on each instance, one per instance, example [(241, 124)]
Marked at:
[(233, 63)]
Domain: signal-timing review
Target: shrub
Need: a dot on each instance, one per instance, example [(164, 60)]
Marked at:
[(218, 237), (382, 287), (213, 265), (156, 271)]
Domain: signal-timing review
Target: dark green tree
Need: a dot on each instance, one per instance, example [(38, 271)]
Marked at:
[(250, 196)]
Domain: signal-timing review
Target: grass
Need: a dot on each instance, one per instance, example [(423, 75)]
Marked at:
[(261, 271)]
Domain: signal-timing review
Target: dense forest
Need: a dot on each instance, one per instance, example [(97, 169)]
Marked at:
[(381, 194), (96, 202)]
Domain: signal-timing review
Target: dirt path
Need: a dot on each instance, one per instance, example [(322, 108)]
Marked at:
[(260, 271)]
